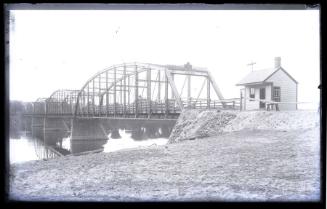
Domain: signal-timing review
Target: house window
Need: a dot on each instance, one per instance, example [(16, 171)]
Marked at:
[(252, 95), (276, 94)]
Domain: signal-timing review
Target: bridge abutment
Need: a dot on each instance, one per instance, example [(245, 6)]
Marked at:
[(37, 127), (55, 129), (86, 129), (166, 130)]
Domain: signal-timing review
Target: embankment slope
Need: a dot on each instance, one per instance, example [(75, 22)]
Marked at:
[(204, 123)]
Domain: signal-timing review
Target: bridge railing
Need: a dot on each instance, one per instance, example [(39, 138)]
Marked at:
[(49, 108), (156, 107), (60, 108), (118, 109), (213, 104)]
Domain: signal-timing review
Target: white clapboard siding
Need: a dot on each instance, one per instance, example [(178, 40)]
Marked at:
[(287, 87)]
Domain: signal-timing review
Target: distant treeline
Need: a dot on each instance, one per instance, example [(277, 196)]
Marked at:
[(17, 107)]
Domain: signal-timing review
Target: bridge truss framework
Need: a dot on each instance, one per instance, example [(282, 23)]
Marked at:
[(136, 90)]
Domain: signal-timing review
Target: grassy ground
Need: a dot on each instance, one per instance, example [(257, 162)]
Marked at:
[(245, 165)]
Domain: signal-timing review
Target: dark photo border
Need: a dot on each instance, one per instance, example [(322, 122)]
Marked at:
[(226, 5)]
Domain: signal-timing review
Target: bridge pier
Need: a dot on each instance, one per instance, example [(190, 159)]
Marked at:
[(28, 125), (111, 127), (37, 127), (151, 131), (84, 131), (166, 130), (115, 134), (137, 132), (55, 129)]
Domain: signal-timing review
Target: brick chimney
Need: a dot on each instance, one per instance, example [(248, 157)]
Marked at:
[(188, 66), (277, 62)]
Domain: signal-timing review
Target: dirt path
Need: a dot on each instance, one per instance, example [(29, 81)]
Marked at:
[(245, 165)]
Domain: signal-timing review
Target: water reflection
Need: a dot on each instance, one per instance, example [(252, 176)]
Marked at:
[(126, 141), (82, 146), (44, 151), (21, 150), (29, 147)]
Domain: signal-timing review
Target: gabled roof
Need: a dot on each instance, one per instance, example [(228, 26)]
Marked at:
[(260, 76)]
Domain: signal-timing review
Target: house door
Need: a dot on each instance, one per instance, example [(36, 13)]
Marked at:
[(262, 95)]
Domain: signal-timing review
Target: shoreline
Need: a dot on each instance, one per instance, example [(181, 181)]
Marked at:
[(253, 165)]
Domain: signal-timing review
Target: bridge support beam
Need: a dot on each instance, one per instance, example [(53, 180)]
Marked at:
[(217, 90), (148, 75), (174, 89), (166, 97), (188, 67)]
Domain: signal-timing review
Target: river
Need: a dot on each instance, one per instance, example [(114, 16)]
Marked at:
[(23, 147)]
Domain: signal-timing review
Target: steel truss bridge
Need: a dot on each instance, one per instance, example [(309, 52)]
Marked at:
[(145, 99), (135, 90)]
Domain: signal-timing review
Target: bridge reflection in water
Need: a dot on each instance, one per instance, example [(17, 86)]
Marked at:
[(54, 143)]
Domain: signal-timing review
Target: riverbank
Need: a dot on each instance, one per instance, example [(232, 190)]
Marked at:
[(241, 165), (205, 123)]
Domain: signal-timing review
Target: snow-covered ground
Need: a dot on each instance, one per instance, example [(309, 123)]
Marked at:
[(247, 164), (204, 123)]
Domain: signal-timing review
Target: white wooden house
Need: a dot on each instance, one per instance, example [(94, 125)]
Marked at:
[(264, 86)]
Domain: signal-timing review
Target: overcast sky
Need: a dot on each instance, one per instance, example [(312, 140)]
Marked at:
[(52, 49)]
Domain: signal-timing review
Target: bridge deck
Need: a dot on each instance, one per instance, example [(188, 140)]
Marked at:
[(172, 117)]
